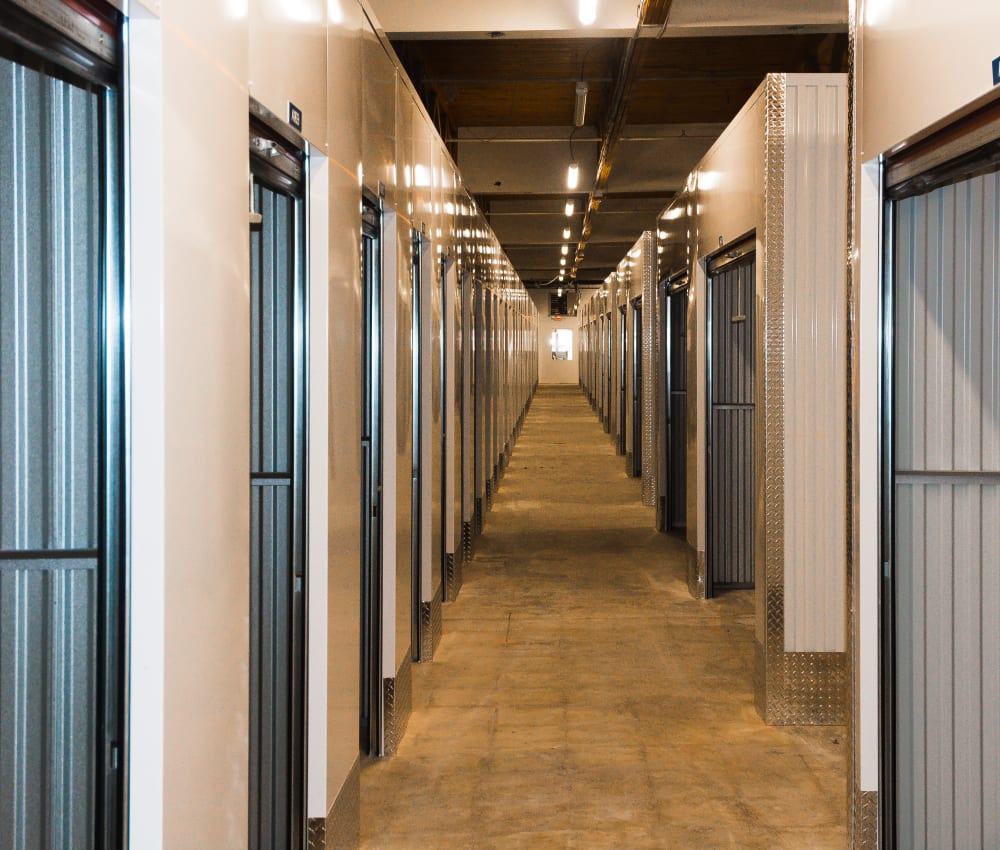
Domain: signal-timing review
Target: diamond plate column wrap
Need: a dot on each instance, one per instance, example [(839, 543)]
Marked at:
[(865, 820), (769, 415), (790, 688), (648, 268)]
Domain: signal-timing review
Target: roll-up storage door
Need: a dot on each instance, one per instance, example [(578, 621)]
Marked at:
[(62, 566), (676, 445), (731, 410), (608, 371), (621, 441), (941, 496), (636, 380), (277, 486), (479, 398), (370, 708)]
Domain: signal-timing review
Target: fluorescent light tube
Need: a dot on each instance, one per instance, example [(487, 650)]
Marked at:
[(573, 176), (580, 106)]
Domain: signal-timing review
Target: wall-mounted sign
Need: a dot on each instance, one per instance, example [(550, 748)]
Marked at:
[(295, 116), (996, 71)]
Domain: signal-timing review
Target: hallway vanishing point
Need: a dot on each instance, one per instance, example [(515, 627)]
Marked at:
[(581, 698)]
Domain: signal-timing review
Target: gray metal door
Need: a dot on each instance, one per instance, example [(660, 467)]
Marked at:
[(61, 425), (608, 371), (479, 399), (417, 530), (676, 446), (636, 361), (731, 408), (277, 495), (620, 441), (943, 378)]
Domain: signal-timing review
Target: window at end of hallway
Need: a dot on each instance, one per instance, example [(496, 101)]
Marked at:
[(561, 343)]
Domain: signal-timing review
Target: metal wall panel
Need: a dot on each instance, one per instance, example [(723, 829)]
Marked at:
[(946, 438), (815, 335), (51, 420), (731, 448)]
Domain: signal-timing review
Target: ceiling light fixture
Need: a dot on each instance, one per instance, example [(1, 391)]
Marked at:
[(565, 250), (559, 292), (573, 176), (565, 233), (580, 106), (562, 261), (588, 12), (570, 206)]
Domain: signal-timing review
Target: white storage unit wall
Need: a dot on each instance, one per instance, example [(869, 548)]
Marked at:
[(365, 129), (778, 176)]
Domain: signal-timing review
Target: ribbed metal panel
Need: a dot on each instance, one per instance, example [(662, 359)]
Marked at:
[(815, 333), (271, 257), (731, 496), (51, 270), (50, 322), (947, 516), (271, 667)]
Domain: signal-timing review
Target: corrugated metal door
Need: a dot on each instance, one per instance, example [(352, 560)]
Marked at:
[(418, 350), (677, 308), (479, 398), (370, 708), (277, 498), (731, 399), (608, 371), (489, 394), (636, 377), (468, 384), (622, 381), (61, 425), (946, 488)]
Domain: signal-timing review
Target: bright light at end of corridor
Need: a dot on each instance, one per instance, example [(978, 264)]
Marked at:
[(588, 12)]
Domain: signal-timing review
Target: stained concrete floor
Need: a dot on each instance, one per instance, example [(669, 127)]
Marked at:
[(581, 698)]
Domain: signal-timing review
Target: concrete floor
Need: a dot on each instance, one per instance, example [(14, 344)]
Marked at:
[(581, 698)]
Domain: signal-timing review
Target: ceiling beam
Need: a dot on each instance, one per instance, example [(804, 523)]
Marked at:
[(646, 195), (679, 76)]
